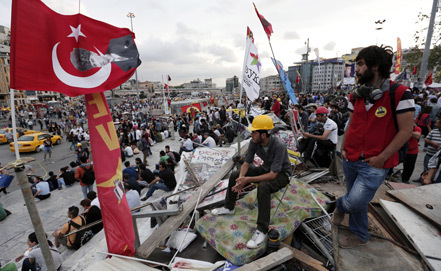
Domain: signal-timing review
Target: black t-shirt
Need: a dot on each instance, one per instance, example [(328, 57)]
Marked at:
[(147, 175), (134, 185), (68, 177), (169, 178), (92, 215)]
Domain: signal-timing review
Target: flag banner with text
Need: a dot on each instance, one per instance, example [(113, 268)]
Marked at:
[(71, 54), (107, 165), (398, 62), (285, 80), (251, 69)]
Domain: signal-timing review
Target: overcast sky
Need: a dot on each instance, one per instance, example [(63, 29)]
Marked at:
[(191, 39)]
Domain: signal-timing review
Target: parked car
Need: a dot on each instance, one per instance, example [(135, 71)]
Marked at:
[(20, 130), (32, 142)]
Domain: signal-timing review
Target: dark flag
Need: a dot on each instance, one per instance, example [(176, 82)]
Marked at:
[(266, 25)]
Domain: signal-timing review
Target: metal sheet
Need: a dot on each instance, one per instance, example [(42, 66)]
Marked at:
[(421, 233), (424, 200)]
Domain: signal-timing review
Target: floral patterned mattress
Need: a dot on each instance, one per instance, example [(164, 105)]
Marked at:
[(229, 234)]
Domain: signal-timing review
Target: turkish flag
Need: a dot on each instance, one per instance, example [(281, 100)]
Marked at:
[(428, 80), (298, 79), (71, 54), (414, 70), (204, 103)]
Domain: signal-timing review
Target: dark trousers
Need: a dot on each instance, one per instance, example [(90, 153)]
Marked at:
[(27, 265), (42, 197), (264, 191), (307, 146), (408, 166)]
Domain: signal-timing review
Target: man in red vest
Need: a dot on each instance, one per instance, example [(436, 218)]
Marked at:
[(372, 139)]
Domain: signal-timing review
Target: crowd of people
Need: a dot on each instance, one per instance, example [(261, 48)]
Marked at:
[(373, 131)]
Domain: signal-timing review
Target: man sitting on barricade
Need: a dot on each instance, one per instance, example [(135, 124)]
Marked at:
[(272, 176)]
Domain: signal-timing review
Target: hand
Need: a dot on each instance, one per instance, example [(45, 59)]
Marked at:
[(19, 258), (343, 154), (240, 183), (435, 145), (305, 134), (375, 161)]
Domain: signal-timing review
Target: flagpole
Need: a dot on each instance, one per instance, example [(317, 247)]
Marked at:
[(28, 197), (240, 92), (275, 60)]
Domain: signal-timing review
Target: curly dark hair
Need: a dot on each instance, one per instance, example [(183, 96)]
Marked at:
[(377, 56)]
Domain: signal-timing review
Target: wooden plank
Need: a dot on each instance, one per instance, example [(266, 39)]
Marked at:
[(172, 223), (269, 261), (420, 232), (190, 170), (305, 260), (424, 200)]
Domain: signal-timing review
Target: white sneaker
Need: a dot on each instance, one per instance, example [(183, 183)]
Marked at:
[(257, 240), (222, 211)]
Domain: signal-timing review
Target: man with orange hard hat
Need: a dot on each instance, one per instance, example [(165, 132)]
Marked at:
[(272, 176)]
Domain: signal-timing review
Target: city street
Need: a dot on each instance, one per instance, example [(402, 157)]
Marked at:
[(61, 157)]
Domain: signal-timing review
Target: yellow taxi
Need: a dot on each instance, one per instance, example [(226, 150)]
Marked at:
[(32, 142), (20, 130)]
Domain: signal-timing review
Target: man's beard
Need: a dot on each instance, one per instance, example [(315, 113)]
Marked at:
[(365, 78)]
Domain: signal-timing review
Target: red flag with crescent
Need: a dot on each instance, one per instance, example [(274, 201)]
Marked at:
[(71, 54), (78, 55)]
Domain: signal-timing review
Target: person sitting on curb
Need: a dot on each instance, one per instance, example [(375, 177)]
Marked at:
[(165, 181), (42, 189), (34, 257), (272, 176)]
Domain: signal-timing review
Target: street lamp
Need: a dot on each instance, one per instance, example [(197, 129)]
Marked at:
[(380, 23), (131, 15)]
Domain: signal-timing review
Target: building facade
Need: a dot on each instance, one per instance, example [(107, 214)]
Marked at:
[(326, 75), (270, 83)]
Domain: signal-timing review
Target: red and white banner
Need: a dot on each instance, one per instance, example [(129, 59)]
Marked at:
[(78, 55), (117, 218), (71, 54)]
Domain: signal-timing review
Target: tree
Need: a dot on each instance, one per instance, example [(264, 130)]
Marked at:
[(142, 95)]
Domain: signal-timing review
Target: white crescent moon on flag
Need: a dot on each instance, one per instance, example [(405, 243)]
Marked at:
[(91, 81)]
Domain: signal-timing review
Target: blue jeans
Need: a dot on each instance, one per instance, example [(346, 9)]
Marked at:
[(85, 188), (362, 181), (156, 186), (61, 183), (426, 162)]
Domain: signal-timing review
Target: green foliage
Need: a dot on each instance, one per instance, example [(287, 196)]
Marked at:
[(142, 95)]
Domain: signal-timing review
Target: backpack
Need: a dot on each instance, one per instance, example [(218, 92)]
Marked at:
[(177, 156), (140, 145), (338, 119), (81, 237), (89, 175)]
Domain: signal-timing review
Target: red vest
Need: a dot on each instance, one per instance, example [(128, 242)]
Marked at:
[(371, 131)]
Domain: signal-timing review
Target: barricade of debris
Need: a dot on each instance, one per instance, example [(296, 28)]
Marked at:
[(404, 222)]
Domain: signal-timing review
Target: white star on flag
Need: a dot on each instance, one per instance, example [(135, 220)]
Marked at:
[(76, 32)]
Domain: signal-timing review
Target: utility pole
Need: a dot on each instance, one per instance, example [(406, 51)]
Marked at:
[(306, 64), (428, 41), (131, 15)]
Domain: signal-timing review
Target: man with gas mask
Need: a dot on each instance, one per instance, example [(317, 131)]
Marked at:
[(381, 122)]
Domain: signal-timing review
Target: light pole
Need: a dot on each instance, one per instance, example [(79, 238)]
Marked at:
[(131, 15), (380, 23)]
